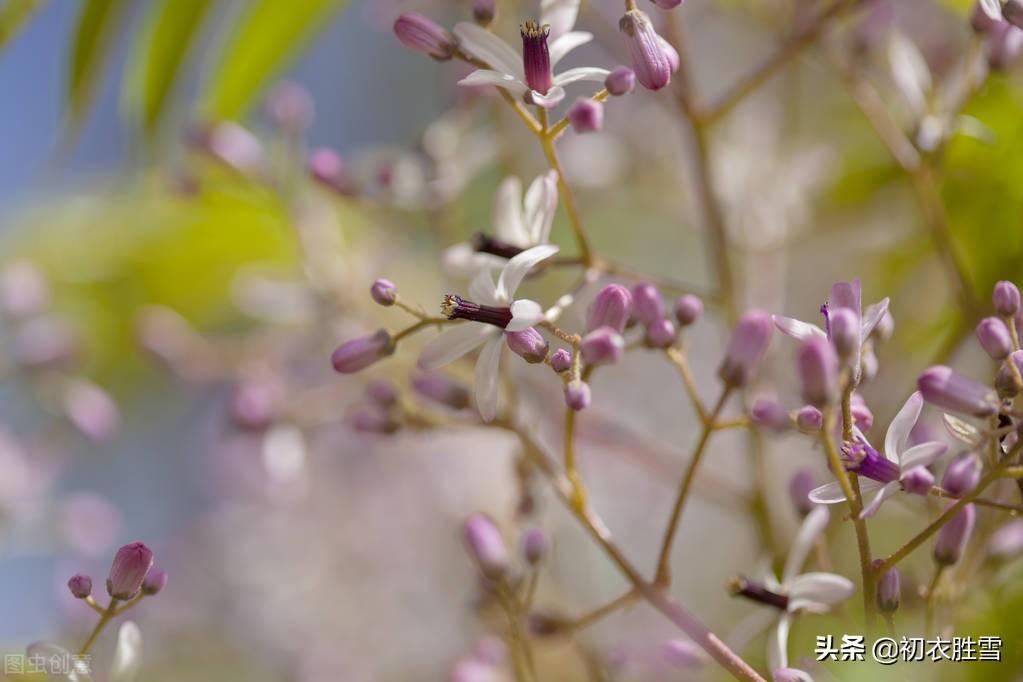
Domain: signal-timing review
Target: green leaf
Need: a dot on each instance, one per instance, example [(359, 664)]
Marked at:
[(156, 58), (14, 14), (97, 24), (265, 39)]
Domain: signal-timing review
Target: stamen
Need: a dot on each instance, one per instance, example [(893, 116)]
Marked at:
[(457, 308), (536, 60), (483, 243), (827, 319), (741, 586)]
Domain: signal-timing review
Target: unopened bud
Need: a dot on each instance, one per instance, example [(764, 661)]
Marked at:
[(918, 481), (484, 11), (661, 334), (1006, 299), (649, 61), (586, 115), (602, 346), (128, 571), (647, 304), (888, 591), (954, 535), (621, 81), (845, 331), (155, 581), (688, 309), (80, 586), (442, 390), (486, 546), (528, 344), (561, 360), (809, 419), (962, 475), (384, 292), (577, 395), (746, 347), (535, 546), (818, 371), (612, 308), (800, 485), (424, 35), (994, 337), (770, 414), (360, 353), (942, 386)]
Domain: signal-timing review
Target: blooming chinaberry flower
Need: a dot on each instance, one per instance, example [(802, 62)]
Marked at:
[(490, 315), (884, 474)]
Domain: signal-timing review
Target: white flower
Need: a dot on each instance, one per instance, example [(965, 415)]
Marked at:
[(521, 314), (810, 592), (517, 224), (885, 475), (68, 668), (539, 86)]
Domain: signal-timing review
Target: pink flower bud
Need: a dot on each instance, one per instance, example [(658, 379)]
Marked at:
[(383, 393), (954, 535), (586, 115), (649, 60), (888, 591), (486, 546), (484, 11), (131, 564), (770, 414), (611, 308), (424, 35), (535, 546), (441, 390), (862, 416), (818, 371), (561, 360), (384, 292), (800, 485), (918, 481), (1006, 299), (529, 344), (688, 309), (80, 586), (253, 405), (602, 346), (621, 81), (941, 386), (994, 337), (360, 353), (661, 333), (809, 419), (845, 331), (577, 395), (647, 304), (155, 581), (962, 475), (91, 409), (746, 347), (372, 420), (1005, 45)]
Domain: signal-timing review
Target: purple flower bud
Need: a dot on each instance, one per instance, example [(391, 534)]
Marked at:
[(441, 390), (561, 360), (528, 344), (862, 416), (800, 485), (1007, 541), (536, 57), (809, 419), (290, 106), (577, 395), (962, 475), (746, 347), (586, 115), (253, 405), (424, 35), (649, 60), (954, 535), (1012, 12), (23, 289), (80, 586), (621, 81), (358, 354), (888, 591), (486, 546), (980, 21), (647, 304), (535, 546), (155, 581), (688, 309), (602, 346), (327, 167), (770, 414), (371, 420), (1006, 299), (91, 409), (131, 564), (611, 308), (661, 333), (484, 11), (383, 393), (942, 386), (384, 292), (667, 4), (918, 481), (994, 338), (844, 325), (818, 371), (1005, 45)]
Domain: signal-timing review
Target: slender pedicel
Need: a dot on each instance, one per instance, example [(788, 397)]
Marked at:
[(536, 59), (457, 308), (740, 586)]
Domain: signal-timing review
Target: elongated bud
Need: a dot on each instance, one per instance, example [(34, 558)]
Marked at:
[(661, 333), (889, 587), (670, 53), (942, 386), (994, 338), (651, 64), (424, 35), (1006, 299), (80, 586), (327, 167), (577, 395), (128, 571), (602, 346), (800, 485), (586, 115), (528, 344), (1007, 541), (384, 292), (486, 546), (561, 360), (484, 11), (441, 390), (770, 414), (688, 309), (621, 81), (962, 475), (818, 371), (360, 353), (809, 419), (535, 546), (917, 481), (611, 308), (647, 304), (954, 535), (746, 347), (845, 331), (155, 581)]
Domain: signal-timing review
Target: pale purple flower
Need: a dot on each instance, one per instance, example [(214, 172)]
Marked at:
[(490, 314), (942, 386), (128, 571), (424, 35), (530, 77), (883, 474), (586, 115)]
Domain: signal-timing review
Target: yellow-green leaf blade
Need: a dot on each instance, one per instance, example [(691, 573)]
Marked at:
[(97, 24)]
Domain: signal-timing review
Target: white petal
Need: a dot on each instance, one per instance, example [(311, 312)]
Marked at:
[(883, 494), (519, 266), (548, 101), (813, 590), (922, 455), (871, 317), (482, 289), (560, 14), (525, 314), (583, 73), (898, 431), (488, 366), (462, 261), (797, 329), (128, 655), (483, 44), (565, 43), (814, 523), (541, 204), (507, 216), (454, 343), (829, 493), (501, 80), (778, 643), (909, 70)]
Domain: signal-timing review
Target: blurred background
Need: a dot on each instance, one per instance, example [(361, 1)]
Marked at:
[(184, 243)]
